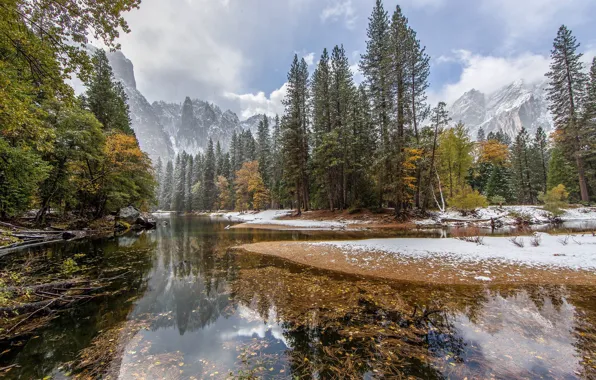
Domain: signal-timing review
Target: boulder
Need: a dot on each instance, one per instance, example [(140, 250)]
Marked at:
[(146, 223), (129, 214)]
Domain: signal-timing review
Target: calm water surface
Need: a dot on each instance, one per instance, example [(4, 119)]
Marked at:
[(191, 309)]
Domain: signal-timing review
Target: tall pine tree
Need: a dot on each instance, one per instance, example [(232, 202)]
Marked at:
[(566, 93)]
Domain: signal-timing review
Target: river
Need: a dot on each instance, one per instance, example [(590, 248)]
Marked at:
[(190, 308)]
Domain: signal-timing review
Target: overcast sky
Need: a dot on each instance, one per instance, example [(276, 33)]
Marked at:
[(236, 53)]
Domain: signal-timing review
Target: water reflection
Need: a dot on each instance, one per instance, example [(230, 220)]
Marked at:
[(190, 308)]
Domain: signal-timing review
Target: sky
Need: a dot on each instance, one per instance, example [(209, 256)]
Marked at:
[(236, 53)]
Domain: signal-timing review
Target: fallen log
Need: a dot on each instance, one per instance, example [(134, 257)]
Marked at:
[(63, 285), (27, 307)]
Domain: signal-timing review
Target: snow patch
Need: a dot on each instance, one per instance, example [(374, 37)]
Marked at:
[(577, 252)]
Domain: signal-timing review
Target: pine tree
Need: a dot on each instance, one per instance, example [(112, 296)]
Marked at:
[(159, 178), (219, 157), (105, 97), (375, 66), (264, 150), (498, 184), (322, 157), (540, 166), (566, 93), (589, 125), (197, 181), (208, 184), (481, 135), (189, 183), (165, 199), (295, 132), (524, 179), (418, 71), (562, 172)]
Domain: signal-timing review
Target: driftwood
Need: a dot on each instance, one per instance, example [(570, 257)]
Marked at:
[(41, 287)]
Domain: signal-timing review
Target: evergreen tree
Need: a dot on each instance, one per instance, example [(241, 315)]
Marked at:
[(105, 97), (197, 180), (208, 183), (179, 194), (295, 133), (226, 167), (189, 183), (524, 179), (418, 71), (159, 178), (589, 126), (325, 146), (398, 78), (165, 198), (566, 93), (219, 160), (375, 66), (498, 184), (481, 135), (264, 150), (562, 172), (540, 165)]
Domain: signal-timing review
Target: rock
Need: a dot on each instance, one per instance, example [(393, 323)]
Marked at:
[(129, 214), (146, 223), (141, 221), (68, 235)]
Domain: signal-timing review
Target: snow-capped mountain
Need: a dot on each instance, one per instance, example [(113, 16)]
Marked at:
[(509, 109), (164, 128)]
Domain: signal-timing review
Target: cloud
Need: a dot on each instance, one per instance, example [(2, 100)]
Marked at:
[(259, 103), (487, 73), (527, 19), (338, 10), (310, 58)]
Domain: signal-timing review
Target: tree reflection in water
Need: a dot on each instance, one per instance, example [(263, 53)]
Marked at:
[(189, 307)]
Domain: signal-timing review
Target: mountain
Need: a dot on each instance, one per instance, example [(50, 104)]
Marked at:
[(165, 129), (150, 133), (509, 109)]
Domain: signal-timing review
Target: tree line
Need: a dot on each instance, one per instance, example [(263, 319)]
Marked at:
[(58, 151), (380, 144)]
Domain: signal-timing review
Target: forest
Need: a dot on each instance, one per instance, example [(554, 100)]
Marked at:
[(381, 144), (59, 152)]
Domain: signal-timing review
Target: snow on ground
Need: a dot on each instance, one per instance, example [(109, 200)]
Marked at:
[(572, 252), (507, 215), (272, 217)]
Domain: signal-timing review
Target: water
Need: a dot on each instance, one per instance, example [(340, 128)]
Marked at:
[(191, 309)]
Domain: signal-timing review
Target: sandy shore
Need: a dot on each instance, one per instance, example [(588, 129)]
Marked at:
[(437, 270)]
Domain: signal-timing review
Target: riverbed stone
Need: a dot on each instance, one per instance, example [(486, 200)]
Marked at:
[(129, 214)]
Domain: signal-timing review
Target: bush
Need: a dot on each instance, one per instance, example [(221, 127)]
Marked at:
[(497, 200), (467, 202), (555, 199)]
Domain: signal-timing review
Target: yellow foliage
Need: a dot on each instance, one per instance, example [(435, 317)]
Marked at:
[(494, 152), (250, 188)]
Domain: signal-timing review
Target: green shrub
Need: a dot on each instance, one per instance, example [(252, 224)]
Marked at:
[(555, 199), (497, 200), (467, 202), (70, 267)]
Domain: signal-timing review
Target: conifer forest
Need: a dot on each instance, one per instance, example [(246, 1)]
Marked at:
[(341, 146)]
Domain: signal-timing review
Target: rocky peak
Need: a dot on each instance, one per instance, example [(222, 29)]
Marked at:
[(508, 109), (123, 68)]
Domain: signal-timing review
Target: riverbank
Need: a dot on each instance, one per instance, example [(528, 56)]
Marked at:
[(497, 260), (489, 217), (22, 233)]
